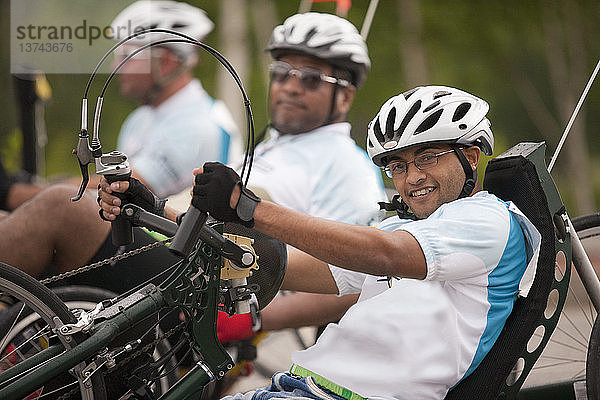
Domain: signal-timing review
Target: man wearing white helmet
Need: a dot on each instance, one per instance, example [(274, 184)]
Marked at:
[(310, 163), (178, 124), (435, 289)]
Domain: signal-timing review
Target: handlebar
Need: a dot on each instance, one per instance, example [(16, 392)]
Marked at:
[(121, 228), (189, 232), (193, 228)]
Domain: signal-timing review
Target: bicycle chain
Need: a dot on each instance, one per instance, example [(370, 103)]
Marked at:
[(110, 260)]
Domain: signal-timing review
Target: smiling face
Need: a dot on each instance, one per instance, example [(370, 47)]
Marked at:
[(295, 109), (424, 191)]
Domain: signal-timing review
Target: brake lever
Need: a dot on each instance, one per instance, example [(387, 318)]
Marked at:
[(85, 156), (114, 166)]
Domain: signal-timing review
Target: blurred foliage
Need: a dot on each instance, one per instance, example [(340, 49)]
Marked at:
[(475, 45)]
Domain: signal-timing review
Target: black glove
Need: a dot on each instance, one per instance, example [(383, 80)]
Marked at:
[(140, 195), (212, 193)]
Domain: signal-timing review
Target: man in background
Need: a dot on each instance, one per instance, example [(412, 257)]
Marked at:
[(178, 124)]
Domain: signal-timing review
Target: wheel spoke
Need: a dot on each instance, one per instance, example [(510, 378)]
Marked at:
[(31, 341)]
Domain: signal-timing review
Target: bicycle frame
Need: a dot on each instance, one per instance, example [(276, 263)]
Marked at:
[(193, 286)]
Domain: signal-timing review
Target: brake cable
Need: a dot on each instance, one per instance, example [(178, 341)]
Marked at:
[(115, 163)]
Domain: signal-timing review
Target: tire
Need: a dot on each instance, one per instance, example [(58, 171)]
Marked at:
[(564, 358), (26, 322), (589, 226), (592, 376)]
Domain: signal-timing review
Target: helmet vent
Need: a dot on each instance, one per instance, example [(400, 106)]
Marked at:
[(378, 133), (309, 34), (461, 111), (432, 106), (389, 124), (179, 25), (441, 93), (409, 115), (429, 122), (408, 93)]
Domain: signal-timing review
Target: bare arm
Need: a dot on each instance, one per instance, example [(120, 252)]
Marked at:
[(352, 247), (306, 273), (298, 309)]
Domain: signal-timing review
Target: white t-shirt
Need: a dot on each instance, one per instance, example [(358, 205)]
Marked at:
[(322, 173), (165, 143), (412, 339)]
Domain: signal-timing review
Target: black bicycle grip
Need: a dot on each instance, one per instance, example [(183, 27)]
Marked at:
[(188, 232), (121, 228)]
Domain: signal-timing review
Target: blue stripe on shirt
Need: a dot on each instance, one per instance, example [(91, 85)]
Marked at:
[(503, 286), (225, 140)]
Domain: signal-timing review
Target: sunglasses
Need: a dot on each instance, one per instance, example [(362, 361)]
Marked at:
[(309, 78)]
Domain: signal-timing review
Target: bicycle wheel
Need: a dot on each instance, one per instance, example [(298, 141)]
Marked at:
[(26, 328), (564, 358)]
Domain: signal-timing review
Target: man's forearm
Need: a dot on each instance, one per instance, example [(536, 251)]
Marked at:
[(304, 309), (358, 248)]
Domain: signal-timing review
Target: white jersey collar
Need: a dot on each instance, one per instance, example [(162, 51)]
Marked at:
[(339, 128)]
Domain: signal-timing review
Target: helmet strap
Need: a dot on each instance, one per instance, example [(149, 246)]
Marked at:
[(332, 117), (470, 174), (398, 205)]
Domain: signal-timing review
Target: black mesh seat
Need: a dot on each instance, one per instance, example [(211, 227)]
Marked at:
[(520, 175)]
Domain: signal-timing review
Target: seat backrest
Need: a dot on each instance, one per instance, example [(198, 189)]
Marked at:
[(520, 175)]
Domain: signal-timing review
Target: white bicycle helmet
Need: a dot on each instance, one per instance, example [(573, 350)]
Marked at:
[(324, 36), (172, 15), (429, 114)]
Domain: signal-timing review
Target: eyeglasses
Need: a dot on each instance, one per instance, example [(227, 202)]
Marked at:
[(309, 78), (423, 161)]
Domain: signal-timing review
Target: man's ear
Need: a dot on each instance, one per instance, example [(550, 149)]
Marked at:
[(472, 154), (344, 99)]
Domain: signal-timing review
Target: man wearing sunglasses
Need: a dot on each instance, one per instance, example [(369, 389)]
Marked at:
[(435, 289), (310, 163)]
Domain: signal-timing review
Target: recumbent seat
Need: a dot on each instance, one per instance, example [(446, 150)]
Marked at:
[(520, 175)]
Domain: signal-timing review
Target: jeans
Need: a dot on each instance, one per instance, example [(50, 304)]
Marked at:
[(286, 386)]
